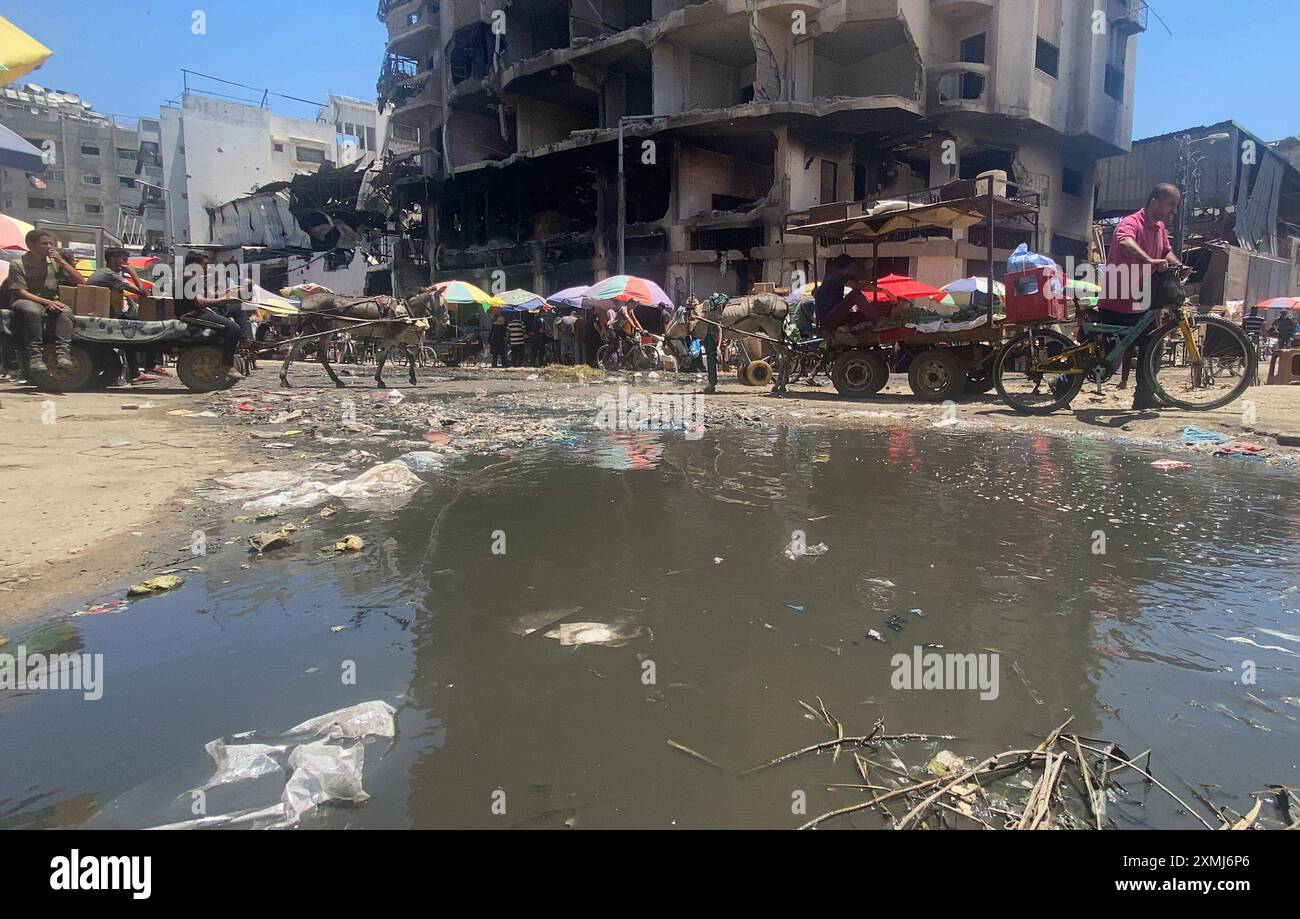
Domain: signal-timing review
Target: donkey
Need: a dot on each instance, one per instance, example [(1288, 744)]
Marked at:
[(326, 312)]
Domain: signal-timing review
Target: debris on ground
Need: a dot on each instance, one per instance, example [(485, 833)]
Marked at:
[(160, 584), (603, 634), (350, 543), (275, 539), (326, 768)]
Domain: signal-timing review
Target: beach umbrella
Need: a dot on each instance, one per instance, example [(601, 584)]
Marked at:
[(969, 286), (20, 54), (570, 297), (905, 288), (629, 287), (462, 292), (19, 154), (1280, 303), (519, 301), (12, 231)]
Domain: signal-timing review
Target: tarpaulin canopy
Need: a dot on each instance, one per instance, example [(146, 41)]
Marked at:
[(20, 54), (1281, 303), (271, 303), (18, 153)]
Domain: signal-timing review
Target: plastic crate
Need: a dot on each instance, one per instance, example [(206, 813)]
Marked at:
[(1036, 295)]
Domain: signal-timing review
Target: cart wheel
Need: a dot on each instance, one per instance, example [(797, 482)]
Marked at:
[(108, 369), (742, 374), (860, 373), (55, 380), (937, 375), (758, 373), (199, 368)]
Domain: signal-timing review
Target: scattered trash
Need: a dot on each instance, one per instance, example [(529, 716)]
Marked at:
[(3, 641), (946, 423), (1197, 435), (323, 772), (387, 482), (368, 719), (797, 607), (606, 635), (437, 437), (135, 407), (917, 611), (1170, 464), (240, 762), (529, 623), (156, 585), (286, 417), (335, 629), (874, 635), (350, 543), (422, 461), (278, 539), (794, 552), (1243, 450), (392, 397), (245, 406), (98, 609), (881, 582), (944, 763), (328, 511), (718, 561)]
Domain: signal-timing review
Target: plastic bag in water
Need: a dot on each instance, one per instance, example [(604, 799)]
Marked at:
[(369, 719), (323, 771), (240, 762)]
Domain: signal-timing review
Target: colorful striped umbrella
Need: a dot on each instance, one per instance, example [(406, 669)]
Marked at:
[(461, 292), (629, 287), (570, 297), (12, 231), (519, 301)]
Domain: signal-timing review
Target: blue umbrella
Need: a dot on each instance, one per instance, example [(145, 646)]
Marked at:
[(570, 297)]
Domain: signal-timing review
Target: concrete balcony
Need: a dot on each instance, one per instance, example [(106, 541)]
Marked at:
[(960, 9), (959, 87), (1128, 17)]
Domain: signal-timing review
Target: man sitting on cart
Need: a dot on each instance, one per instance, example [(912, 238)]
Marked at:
[(32, 291), (834, 305)]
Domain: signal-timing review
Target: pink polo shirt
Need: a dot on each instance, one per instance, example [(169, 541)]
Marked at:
[(1125, 279)]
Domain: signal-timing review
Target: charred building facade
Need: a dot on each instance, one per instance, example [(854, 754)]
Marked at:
[(505, 118)]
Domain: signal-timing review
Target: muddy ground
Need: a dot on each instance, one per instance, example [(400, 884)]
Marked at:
[(104, 487)]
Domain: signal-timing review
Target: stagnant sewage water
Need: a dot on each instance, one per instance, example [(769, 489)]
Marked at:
[(945, 541)]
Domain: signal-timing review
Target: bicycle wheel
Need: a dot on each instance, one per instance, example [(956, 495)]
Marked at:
[(1226, 365), (609, 357), (647, 357), (1032, 372)]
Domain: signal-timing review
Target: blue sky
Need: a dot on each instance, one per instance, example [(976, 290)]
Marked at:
[(1226, 59)]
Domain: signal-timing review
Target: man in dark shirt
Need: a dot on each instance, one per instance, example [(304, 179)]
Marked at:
[(110, 276), (834, 306), (226, 312), (32, 291), (1284, 329)]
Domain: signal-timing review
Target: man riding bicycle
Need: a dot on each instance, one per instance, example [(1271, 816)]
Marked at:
[(1140, 246)]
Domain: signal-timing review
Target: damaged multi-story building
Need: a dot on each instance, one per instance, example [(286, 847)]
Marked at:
[(503, 141)]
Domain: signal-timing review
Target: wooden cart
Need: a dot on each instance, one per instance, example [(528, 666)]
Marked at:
[(940, 365)]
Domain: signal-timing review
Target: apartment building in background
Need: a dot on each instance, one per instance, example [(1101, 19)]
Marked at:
[(503, 124), (90, 179)]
